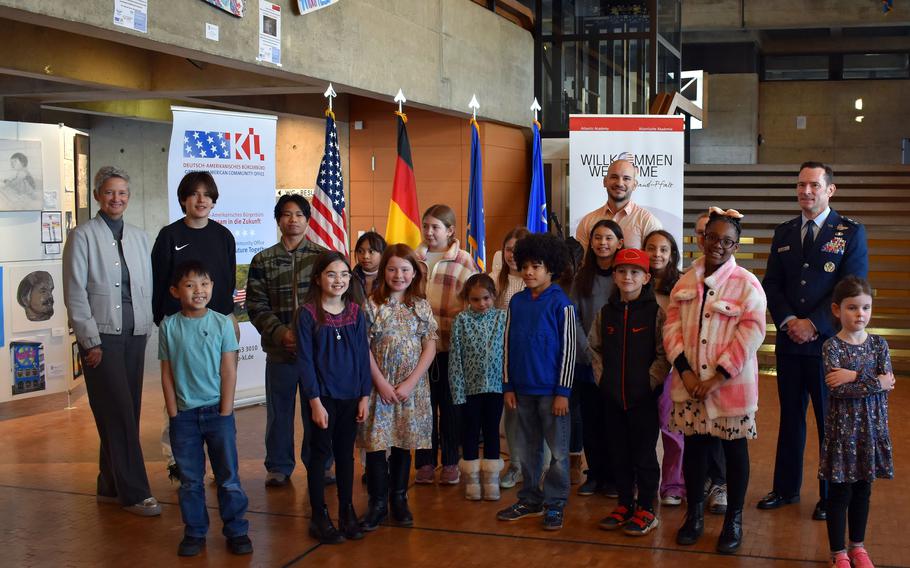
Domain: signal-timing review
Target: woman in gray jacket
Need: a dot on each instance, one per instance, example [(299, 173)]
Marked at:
[(107, 288)]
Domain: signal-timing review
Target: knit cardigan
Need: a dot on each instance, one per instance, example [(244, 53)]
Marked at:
[(732, 329)]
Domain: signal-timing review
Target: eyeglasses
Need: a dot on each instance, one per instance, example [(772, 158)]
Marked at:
[(726, 242)]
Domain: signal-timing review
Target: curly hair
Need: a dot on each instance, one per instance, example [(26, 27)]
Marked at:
[(545, 248)]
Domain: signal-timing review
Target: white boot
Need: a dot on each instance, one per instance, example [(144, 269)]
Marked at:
[(490, 471), (470, 469)]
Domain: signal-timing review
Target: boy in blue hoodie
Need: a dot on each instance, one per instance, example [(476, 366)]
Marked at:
[(539, 368)]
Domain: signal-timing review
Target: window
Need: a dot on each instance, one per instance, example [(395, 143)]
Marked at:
[(796, 67), (876, 66)]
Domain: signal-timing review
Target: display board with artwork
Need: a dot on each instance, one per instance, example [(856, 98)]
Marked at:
[(44, 171)]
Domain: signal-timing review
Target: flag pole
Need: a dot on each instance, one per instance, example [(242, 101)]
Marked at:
[(399, 98), (330, 94)]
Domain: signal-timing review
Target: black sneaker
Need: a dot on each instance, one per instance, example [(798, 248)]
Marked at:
[(519, 511), (190, 546), (552, 520), (589, 487), (240, 545)]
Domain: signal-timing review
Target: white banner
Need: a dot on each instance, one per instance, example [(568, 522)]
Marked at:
[(238, 149), (655, 144)]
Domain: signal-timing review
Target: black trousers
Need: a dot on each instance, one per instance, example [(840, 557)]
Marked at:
[(594, 426), (114, 390), (481, 413), (576, 420), (695, 468), (445, 418), (799, 379), (847, 503), (632, 438), (337, 440)]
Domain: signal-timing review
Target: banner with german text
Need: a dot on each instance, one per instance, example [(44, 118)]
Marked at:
[(238, 149), (654, 145)]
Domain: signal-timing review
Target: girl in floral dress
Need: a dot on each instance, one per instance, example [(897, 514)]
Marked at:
[(402, 336), (857, 445)]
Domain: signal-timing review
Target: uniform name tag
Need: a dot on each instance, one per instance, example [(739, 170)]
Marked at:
[(783, 249)]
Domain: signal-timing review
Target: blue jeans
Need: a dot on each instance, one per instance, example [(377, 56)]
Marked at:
[(190, 429), (281, 387), (538, 424)]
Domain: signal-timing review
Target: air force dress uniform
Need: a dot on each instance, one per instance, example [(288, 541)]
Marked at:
[(799, 283)]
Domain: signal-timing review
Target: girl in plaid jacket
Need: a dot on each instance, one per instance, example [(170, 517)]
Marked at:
[(446, 268)]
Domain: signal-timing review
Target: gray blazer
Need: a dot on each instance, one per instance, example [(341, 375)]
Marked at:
[(91, 281)]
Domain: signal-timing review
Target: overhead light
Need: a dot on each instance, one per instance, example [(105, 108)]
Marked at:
[(860, 118), (858, 104)]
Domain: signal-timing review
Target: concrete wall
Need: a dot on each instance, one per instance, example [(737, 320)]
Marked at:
[(438, 51), (731, 132), (771, 14), (832, 133), (141, 149)]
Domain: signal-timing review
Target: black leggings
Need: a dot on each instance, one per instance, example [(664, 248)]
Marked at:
[(482, 412), (847, 502), (695, 468), (338, 438)]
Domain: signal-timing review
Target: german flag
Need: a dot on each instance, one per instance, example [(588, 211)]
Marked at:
[(404, 216)]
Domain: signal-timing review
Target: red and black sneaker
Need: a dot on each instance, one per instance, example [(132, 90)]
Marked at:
[(620, 516), (641, 523)]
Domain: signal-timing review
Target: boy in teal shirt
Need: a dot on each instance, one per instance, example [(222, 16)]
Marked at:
[(198, 352)]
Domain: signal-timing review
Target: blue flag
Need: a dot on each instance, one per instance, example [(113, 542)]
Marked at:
[(476, 235), (537, 204)]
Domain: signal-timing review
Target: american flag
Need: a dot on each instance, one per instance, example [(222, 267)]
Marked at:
[(201, 144), (240, 296), (327, 223)]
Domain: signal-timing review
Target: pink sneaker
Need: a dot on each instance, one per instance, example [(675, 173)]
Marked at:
[(426, 475), (450, 475), (840, 560), (859, 557)]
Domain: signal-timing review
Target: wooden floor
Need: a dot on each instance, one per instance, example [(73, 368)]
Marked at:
[(50, 517)]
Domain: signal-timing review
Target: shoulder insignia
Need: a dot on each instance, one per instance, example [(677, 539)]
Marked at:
[(850, 221)]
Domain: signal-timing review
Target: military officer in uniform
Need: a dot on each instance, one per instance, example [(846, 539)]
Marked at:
[(809, 255)]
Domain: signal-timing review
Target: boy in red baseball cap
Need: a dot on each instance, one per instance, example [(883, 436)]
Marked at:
[(627, 353)]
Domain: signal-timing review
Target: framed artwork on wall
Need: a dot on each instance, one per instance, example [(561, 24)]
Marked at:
[(83, 178), (21, 175)]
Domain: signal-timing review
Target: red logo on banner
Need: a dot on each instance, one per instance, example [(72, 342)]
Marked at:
[(246, 146)]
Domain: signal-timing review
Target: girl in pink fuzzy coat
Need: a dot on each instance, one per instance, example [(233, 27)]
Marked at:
[(715, 325)]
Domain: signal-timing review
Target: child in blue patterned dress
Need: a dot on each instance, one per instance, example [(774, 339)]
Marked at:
[(475, 377), (857, 445)]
